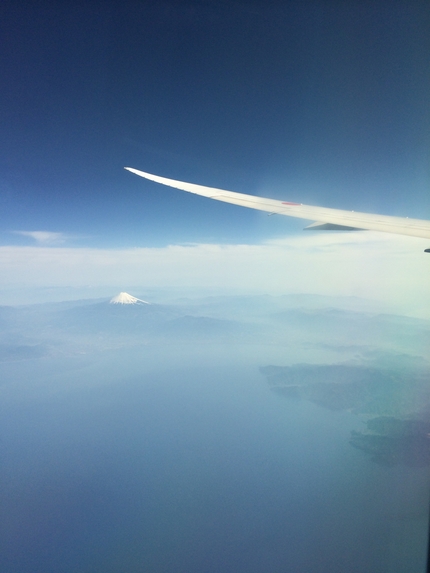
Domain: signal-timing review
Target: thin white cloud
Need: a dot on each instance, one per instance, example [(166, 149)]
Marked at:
[(43, 237), (387, 268)]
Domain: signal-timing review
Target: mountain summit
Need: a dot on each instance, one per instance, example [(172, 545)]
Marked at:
[(125, 298)]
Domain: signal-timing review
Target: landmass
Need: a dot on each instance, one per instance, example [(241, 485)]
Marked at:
[(395, 401), (391, 441)]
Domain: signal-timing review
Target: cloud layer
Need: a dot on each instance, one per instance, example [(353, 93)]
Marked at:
[(382, 267)]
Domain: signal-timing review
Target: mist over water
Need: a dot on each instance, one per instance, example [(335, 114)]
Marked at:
[(175, 455)]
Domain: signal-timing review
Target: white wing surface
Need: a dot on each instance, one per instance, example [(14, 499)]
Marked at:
[(326, 219)]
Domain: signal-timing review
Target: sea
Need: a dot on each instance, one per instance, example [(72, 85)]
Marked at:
[(180, 459)]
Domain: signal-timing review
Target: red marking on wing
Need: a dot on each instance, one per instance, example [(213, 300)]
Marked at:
[(287, 203)]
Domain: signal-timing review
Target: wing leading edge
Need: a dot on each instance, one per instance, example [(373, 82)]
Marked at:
[(326, 219)]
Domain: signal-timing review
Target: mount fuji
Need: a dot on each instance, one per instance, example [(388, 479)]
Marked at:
[(125, 298)]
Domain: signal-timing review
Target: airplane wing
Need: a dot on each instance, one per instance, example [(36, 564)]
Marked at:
[(325, 219)]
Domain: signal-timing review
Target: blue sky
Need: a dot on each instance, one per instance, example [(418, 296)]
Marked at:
[(322, 103), (319, 102)]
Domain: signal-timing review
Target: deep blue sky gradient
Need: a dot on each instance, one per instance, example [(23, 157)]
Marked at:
[(322, 103)]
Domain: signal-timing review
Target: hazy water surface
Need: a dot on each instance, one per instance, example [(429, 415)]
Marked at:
[(190, 463)]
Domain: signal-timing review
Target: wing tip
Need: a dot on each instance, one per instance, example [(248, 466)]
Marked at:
[(138, 172)]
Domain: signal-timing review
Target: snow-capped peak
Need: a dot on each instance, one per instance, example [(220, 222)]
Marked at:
[(125, 298)]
